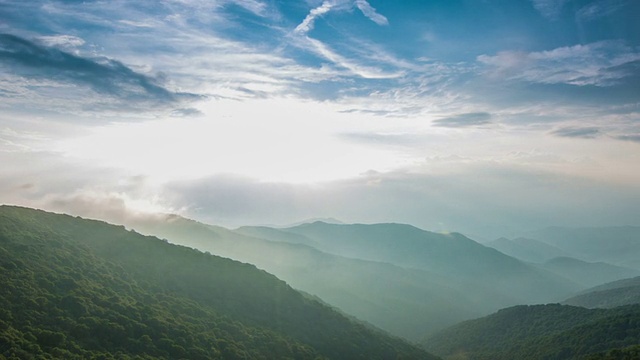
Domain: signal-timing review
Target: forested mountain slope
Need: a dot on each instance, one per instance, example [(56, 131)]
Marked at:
[(76, 289), (551, 332)]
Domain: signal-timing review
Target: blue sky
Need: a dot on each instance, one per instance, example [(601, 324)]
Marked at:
[(487, 117)]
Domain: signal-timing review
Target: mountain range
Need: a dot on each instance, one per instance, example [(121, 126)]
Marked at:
[(402, 279), (587, 274), (76, 289), (530, 250), (616, 245)]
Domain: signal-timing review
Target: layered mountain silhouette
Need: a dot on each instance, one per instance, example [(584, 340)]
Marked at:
[(588, 274), (567, 263), (453, 255), (405, 280), (530, 250), (619, 245), (77, 289), (405, 302)]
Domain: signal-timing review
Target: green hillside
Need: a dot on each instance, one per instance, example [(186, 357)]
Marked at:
[(613, 294), (627, 353), (540, 332), (81, 289)]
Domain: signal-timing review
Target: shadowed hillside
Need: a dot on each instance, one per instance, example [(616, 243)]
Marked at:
[(617, 293), (551, 332)]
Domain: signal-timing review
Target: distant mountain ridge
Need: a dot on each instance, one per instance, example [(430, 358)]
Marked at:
[(452, 254), (582, 255), (616, 245), (586, 273), (527, 249), (613, 294), (328, 220), (406, 302), (403, 279)]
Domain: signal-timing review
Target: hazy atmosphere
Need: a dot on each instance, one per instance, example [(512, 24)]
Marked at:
[(488, 118)]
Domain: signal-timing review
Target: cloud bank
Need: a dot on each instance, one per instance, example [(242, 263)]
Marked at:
[(104, 76), (598, 64)]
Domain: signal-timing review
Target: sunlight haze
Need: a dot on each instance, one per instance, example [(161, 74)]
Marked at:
[(484, 117)]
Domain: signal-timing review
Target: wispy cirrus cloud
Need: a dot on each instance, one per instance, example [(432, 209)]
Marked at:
[(336, 5), (361, 58), (61, 41), (464, 120), (578, 132), (599, 9), (198, 51), (550, 9), (307, 24), (364, 71), (589, 64), (257, 7), (370, 12)]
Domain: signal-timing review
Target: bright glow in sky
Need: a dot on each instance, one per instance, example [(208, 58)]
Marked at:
[(489, 117), (271, 140)]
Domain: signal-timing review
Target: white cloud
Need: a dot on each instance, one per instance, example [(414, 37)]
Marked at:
[(364, 71), (371, 13), (257, 7), (65, 42), (328, 5), (589, 64), (599, 9), (107, 204), (550, 9), (139, 23), (307, 24), (423, 198)]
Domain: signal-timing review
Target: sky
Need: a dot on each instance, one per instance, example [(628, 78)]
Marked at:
[(486, 117)]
